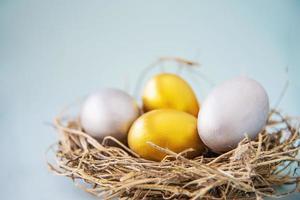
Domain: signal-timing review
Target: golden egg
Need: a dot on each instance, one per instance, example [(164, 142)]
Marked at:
[(169, 91), (167, 128)]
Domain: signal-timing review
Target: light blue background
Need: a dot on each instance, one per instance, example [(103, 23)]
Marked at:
[(54, 52)]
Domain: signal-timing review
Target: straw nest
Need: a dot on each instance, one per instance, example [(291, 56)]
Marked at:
[(253, 170)]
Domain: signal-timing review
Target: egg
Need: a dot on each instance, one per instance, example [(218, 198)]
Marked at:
[(233, 109), (108, 112), (167, 128), (168, 90)]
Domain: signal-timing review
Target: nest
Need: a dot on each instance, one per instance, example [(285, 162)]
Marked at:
[(253, 170)]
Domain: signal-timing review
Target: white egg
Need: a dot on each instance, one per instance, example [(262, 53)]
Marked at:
[(109, 112), (233, 109)]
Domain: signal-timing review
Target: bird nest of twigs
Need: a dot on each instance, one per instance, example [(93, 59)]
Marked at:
[(253, 170)]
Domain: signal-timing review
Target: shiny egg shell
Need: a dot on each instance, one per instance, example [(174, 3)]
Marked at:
[(233, 109), (168, 90), (167, 128), (108, 112)]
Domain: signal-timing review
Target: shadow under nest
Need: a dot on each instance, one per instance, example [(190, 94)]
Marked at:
[(253, 170)]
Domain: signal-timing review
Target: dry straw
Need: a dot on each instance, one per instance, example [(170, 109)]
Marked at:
[(253, 170)]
